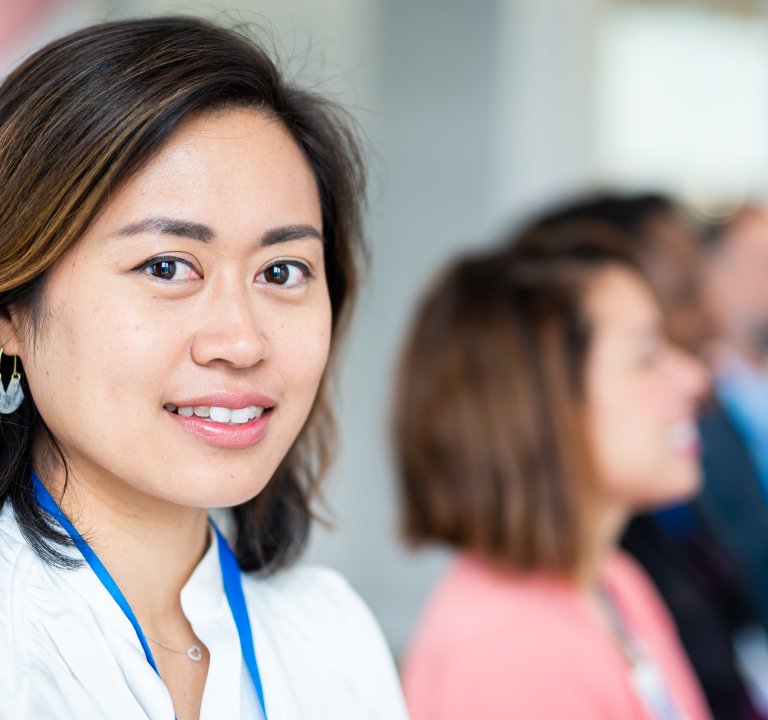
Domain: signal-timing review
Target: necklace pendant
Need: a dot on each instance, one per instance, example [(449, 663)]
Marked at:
[(194, 653)]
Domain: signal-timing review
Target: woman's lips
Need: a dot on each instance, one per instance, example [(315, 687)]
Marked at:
[(222, 434), (226, 399), (684, 438)]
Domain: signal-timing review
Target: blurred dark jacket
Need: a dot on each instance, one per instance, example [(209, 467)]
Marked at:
[(709, 561), (734, 507)]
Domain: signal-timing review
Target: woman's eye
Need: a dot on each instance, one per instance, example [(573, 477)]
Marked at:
[(286, 274), (170, 269)]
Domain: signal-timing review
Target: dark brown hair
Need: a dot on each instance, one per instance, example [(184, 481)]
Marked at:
[(77, 120), (488, 421), (666, 241)]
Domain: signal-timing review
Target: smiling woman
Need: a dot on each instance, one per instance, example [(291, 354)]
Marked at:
[(180, 232), (554, 407)]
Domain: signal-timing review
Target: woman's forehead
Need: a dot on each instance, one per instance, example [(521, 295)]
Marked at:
[(238, 172), (620, 299)]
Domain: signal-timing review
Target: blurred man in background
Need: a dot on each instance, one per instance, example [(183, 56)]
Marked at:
[(735, 498), (735, 265)]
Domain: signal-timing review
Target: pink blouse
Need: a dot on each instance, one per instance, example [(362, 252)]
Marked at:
[(494, 646)]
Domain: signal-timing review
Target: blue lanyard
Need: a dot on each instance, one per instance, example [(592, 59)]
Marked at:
[(230, 571)]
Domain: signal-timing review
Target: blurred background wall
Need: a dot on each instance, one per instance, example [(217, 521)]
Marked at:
[(477, 114)]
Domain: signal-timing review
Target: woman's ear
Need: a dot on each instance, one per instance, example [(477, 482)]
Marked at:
[(10, 331)]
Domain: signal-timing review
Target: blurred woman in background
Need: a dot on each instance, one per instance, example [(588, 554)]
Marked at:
[(705, 555), (539, 404)]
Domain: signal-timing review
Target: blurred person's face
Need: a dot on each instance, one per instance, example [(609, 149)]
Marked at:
[(738, 285), (672, 265), (641, 398)]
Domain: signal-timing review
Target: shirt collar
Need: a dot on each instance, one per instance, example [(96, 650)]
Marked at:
[(203, 593)]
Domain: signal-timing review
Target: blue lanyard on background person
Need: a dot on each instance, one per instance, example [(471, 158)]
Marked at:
[(230, 571)]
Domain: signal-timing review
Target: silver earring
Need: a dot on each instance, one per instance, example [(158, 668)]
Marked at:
[(13, 396)]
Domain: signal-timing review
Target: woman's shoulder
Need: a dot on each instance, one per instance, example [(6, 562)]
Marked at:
[(301, 580), (642, 605), (12, 545), (314, 625), (19, 565), (319, 600), (25, 594), (39, 599), (498, 598), (621, 567), (30, 588), (304, 587), (486, 617), (635, 590), (491, 643), (25, 575)]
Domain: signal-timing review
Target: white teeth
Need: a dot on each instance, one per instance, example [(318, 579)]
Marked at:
[(254, 411), (239, 416), (222, 415)]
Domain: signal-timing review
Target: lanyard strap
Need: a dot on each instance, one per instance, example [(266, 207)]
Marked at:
[(48, 504), (645, 675), (233, 587), (230, 570)]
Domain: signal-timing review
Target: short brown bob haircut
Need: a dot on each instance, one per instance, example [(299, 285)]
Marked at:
[(488, 425)]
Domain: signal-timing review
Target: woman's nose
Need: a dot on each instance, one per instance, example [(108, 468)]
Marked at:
[(228, 330)]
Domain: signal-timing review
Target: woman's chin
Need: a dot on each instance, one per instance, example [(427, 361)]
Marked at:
[(681, 486), (214, 491)]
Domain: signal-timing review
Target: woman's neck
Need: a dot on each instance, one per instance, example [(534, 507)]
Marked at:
[(149, 546), (606, 523)]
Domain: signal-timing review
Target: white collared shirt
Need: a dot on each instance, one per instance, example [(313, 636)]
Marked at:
[(67, 651)]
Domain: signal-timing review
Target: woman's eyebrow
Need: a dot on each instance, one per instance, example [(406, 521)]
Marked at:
[(203, 233), (169, 226), (290, 232)]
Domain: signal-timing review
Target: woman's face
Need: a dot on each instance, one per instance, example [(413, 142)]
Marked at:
[(183, 338), (641, 397)]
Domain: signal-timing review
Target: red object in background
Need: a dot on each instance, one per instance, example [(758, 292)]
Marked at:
[(17, 19)]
